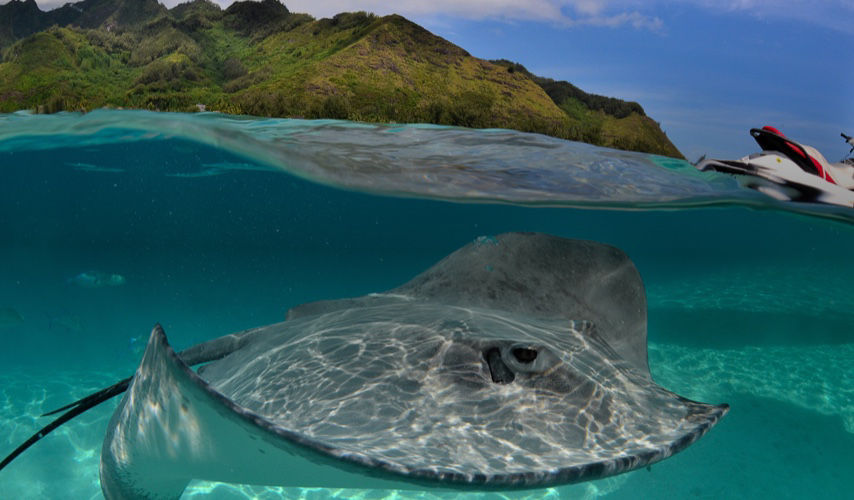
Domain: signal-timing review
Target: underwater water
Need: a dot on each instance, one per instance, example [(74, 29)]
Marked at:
[(208, 224)]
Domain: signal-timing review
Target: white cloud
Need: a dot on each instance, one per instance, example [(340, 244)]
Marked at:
[(589, 7), (833, 14), (539, 10), (639, 14), (560, 12)]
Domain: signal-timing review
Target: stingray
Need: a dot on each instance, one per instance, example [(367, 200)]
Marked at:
[(518, 361)]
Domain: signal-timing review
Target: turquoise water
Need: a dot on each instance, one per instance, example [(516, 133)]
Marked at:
[(219, 224)]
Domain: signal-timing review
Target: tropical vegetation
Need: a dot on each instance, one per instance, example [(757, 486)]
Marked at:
[(258, 58)]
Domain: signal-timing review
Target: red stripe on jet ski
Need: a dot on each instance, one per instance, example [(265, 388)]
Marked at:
[(821, 172), (800, 153), (769, 128)]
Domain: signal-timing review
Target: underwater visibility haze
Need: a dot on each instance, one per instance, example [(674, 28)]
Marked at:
[(210, 224)]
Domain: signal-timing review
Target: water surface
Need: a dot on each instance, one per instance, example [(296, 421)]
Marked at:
[(222, 223)]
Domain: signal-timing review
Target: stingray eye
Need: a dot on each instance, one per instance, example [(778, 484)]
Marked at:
[(524, 355)]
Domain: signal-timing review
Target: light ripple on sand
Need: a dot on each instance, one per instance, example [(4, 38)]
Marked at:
[(818, 378)]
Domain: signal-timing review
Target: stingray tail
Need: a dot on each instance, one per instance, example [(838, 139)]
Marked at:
[(74, 409), (96, 398)]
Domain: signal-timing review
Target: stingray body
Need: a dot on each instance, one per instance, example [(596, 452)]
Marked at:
[(516, 362)]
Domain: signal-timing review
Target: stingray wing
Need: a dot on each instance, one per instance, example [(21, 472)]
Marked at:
[(172, 427)]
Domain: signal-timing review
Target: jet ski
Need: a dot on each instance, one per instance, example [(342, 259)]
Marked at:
[(790, 171)]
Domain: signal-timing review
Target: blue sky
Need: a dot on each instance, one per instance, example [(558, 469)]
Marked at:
[(707, 70)]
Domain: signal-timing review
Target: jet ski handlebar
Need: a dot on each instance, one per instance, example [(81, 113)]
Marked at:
[(849, 140)]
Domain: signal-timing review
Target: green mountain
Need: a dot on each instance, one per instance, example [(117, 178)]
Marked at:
[(259, 58), (604, 120)]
